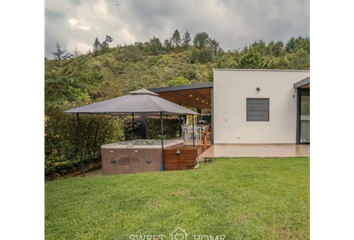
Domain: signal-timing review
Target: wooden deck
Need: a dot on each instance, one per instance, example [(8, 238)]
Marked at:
[(187, 157)]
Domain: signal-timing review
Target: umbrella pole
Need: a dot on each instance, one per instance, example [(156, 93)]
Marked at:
[(163, 157), (193, 131), (79, 129), (133, 124)]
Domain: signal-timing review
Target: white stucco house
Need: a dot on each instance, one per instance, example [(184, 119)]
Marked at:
[(258, 106), (251, 106)]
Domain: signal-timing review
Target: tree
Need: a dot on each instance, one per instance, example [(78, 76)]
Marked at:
[(178, 81), (214, 45), (302, 43), (301, 60), (194, 56), (186, 39), (139, 45), (251, 60), (201, 40), (155, 46), (260, 46), (104, 45), (290, 45), (132, 53), (109, 39), (168, 45), (96, 45), (278, 47), (176, 38), (206, 56), (59, 54), (76, 52)]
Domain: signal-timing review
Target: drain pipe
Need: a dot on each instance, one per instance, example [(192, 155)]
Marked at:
[(163, 156)]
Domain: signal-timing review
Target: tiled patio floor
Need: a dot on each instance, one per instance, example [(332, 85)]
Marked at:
[(255, 150)]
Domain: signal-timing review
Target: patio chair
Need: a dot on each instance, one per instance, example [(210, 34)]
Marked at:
[(190, 132), (184, 132), (200, 129)]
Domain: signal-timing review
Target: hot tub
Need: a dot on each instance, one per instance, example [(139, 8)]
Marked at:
[(143, 155)]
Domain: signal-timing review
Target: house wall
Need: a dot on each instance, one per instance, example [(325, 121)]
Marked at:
[(232, 87)]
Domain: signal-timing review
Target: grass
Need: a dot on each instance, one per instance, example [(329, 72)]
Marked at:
[(242, 198), (88, 167)]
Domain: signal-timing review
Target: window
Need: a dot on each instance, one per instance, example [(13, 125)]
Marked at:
[(257, 109)]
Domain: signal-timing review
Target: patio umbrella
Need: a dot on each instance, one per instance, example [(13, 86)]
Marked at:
[(141, 102)]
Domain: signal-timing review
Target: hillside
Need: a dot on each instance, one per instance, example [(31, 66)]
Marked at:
[(112, 72)]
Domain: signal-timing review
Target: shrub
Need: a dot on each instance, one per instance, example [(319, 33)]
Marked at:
[(62, 148), (153, 128), (178, 81)]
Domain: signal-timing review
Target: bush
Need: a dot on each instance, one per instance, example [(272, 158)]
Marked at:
[(62, 147), (178, 81), (153, 128), (207, 118)]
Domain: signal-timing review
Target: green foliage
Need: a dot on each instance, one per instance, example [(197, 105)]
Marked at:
[(109, 39), (168, 45), (96, 45), (61, 138), (301, 60), (155, 46), (295, 44), (251, 60), (59, 54), (178, 81), (104, 75), (176, 38), (132, 53), (60, 89), (201, 56), (214, 45), (206, 56), (186, 39), (194, 55), (201, 40), (207, 118), (153, 128)]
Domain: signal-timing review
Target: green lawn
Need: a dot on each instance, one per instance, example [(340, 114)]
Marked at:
[(242, 198)]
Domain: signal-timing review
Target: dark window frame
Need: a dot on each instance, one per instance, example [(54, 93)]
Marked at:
[(298, 113), (247, 103)]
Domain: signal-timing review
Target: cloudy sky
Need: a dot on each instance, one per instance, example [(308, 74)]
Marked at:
[(234, 23)]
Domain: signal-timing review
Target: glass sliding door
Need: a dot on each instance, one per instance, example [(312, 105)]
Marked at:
[(304, 128)]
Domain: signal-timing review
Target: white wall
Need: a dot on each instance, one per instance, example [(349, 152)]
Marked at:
[(232, 87)]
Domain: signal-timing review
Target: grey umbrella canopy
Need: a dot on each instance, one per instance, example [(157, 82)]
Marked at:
[(141, 102)]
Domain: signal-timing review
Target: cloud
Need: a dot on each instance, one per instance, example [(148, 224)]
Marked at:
[(234, 23)]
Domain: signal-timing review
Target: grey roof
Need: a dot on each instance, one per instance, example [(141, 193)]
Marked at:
[(141, 102), (302, 83), (182, 87), (143, 91)]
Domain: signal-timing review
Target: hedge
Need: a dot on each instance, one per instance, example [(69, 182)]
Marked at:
[(153, 128), (62, 148)]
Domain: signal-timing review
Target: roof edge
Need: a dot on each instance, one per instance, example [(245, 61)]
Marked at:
[(302, 83), (265, 70), (182, 87)]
